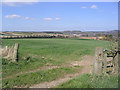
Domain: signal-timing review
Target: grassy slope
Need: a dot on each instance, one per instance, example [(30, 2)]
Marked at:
[(26, 80), (92, 81), (54, 51)]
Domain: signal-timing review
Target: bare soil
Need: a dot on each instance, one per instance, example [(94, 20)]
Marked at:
[(86, 63)]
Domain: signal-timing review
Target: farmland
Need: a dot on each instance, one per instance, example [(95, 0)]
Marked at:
[(45, 60)]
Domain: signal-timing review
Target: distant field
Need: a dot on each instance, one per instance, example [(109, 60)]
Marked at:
[(36, 53)]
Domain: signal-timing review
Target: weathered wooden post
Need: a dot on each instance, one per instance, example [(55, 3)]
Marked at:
[(15, 53), (98, 60)]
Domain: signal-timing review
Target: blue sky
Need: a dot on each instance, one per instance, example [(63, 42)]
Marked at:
[(60, 16)]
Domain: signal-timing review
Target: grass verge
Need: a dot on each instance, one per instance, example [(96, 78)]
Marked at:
[(26, 80), (92, 81)]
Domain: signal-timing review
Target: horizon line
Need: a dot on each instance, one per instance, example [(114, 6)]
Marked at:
[(59, 31)]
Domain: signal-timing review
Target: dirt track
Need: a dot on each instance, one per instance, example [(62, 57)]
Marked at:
[(86, 62)]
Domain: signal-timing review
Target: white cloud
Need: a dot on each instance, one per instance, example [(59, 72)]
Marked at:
[(19, 2), (27, 18), (12, 16), (93, 6), (83, 7), (48, 19), (17, 16), (57, 18)]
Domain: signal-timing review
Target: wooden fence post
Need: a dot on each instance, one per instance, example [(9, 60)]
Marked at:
[(15, 53), (98, 60)]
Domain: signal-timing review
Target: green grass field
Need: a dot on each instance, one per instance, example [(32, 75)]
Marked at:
[(92, 81), (45, 52)]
